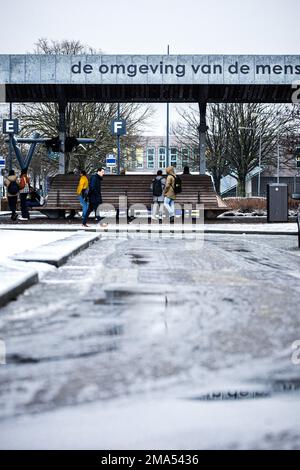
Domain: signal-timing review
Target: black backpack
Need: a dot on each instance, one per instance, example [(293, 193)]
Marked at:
[(13, 188), (157, 187), (177, 185)]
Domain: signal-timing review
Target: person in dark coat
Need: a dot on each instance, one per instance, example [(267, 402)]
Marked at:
[(24, 186), (158, 199), (11, 182), (94, 195), (34, 199)]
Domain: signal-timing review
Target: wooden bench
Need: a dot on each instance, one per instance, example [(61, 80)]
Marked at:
[(298, 222), (196, 189)]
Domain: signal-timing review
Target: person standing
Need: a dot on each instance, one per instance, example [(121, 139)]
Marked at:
[(24, 190), (157, 187), (94, 195), (11, 183), (82, 191), (169, 193)]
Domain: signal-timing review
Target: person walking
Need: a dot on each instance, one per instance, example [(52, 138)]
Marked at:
[(82, 191), (11, 182), (94, 196), (157, 186), (24, 191), (169, 193)]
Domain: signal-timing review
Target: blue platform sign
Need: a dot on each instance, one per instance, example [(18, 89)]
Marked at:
[(10, 126), (111, 160), (118, 127)]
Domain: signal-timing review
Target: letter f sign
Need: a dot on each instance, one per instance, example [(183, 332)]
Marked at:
[(118, 127)]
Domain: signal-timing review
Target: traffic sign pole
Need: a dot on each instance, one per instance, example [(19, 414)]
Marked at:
[(118, 128), (10, 141)]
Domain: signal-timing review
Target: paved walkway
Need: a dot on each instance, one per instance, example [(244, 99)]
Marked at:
[(132, 316)]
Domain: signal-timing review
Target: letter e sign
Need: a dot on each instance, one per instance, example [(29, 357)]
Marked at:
[(10, 126)]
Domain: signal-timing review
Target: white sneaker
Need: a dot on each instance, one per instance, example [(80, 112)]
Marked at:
[(22, 218)]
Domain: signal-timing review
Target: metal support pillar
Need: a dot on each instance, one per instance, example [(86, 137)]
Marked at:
[(24, 161), (202, 128), (168, 162), (10, 155), (62, 135), (119, 144)]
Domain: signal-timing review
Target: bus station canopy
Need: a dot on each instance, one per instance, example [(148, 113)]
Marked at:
[(149, 78)]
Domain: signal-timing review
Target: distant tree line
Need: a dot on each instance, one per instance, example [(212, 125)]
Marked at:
[(235, 134)]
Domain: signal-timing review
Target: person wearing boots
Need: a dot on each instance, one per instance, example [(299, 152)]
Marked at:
[(24, 191)]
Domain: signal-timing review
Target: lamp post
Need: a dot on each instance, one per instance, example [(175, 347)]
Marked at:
[(278, 157), (168, 126)]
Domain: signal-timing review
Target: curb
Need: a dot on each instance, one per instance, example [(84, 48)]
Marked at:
[(60, 255), (130, 229), (245, 232), (27, 280)]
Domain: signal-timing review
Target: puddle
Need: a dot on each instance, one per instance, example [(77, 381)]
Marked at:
[(120, 297), (241, 250), (15, 359), (18, 359), (137, 259), (116, 330)]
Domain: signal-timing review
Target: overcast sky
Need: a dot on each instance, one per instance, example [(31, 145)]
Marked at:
[(138, 27), (135, 26)]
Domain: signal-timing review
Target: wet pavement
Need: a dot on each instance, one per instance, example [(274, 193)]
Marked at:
[(168, 316)]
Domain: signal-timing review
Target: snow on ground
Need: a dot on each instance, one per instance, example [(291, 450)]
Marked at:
[(110, 328), (14, 242), (160, 424)]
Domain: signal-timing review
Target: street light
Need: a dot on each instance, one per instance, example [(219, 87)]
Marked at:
[(276, 117), (259, 157)]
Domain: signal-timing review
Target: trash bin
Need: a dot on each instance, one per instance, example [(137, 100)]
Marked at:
[(277, 202)]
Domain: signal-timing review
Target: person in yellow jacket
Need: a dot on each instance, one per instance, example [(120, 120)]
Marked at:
[(82, 191)]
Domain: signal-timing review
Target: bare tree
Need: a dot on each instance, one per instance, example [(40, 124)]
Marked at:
[(83, 119), (65, 47), (237, 134), (186, 132)]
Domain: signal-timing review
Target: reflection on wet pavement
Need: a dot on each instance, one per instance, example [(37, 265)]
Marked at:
[(137, 315)]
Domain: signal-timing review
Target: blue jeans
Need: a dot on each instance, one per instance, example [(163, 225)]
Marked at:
[(170, 206), (84, 205), (91, 207)]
